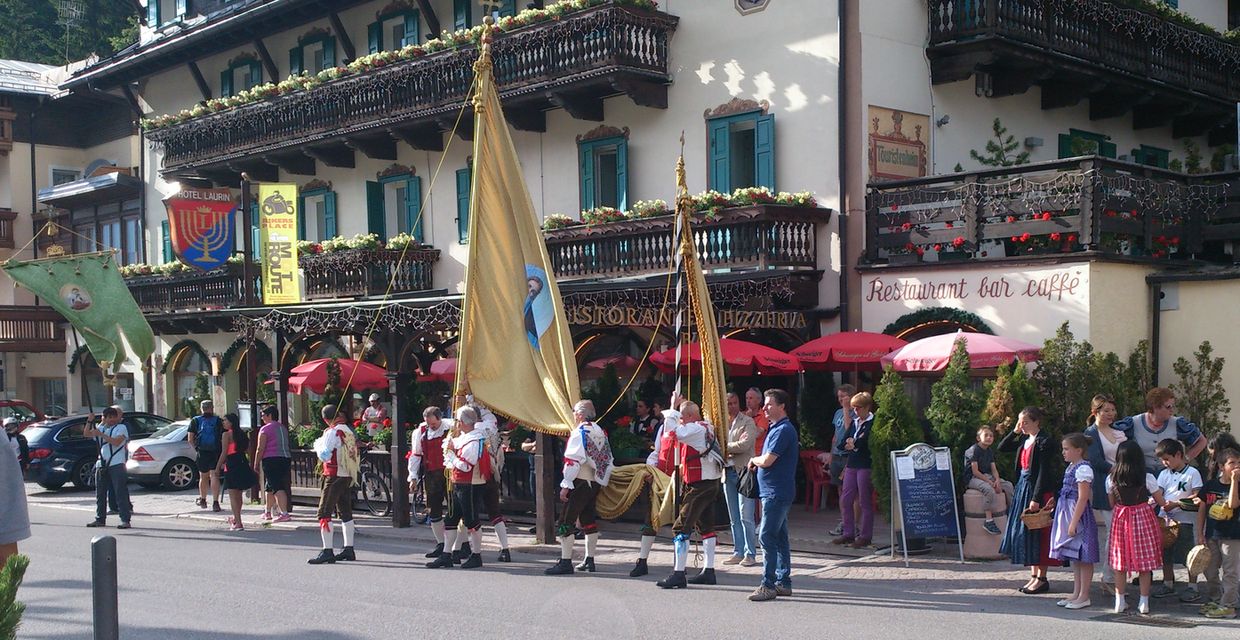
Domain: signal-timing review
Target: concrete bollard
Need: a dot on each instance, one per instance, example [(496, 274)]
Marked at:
[(103, 587)]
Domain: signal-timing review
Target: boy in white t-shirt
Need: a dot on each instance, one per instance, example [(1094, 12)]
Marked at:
[(1178, 480)]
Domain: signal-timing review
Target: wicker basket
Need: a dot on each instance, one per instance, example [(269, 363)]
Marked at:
[(1170, 532), (1040, 519)]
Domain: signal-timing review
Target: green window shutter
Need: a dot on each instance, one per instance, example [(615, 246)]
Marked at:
[(165, 233), (256, 233), (329, 52), (462, 16), (226, 78), (152, 13), (256, 75), (764, 151), (587, 176), (301, 217), (412, 29), (509, 8), (1065, 145), (720, 172), (374, 36), (1106, 149), (413, 206), (463, 178), (622, 175), (375, 222), (329, 215), (294, 61)]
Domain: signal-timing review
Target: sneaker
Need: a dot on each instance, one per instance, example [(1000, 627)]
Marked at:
[(837, 531), (201, 502), (762, 594), (783, 590), (1162, 591), (749, 561), (843, 540), (991, 527), (237, 527), (1221, 612), (123, 525), (1207, 607), (1190, 594), (96, 523), (733, 560), (283, 517), (266, 517)]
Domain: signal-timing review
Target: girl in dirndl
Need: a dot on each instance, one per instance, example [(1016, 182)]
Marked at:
[(1136, 539), (1034, 491), (1074, 534)]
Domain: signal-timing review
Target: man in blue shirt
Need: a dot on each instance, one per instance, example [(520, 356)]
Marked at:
[(777, 469)]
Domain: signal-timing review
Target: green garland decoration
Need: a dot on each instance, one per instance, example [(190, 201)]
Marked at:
[(937, 314), (237, 346), (77, 357), (184, 344)]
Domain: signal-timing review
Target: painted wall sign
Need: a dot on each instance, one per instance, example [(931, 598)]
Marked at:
[(896, 146), (620, 316)]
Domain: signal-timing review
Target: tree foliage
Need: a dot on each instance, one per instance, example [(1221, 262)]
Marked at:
[(1064, 378), (955, 407), (1001, 151), (35, 31), (895, 427), (11, 610), (604, 392), (1199, 394)]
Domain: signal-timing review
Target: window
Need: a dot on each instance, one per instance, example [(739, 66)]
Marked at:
[(604, 173), (742, 151), (182, 9), (1084, 143), (1152, 156), (464, 178), (317, 221), (462, 14), (48, 395), (241, 75), (61, 176), (312, 55), (152, 13), (506, 8), (393, 205), (393, 31)]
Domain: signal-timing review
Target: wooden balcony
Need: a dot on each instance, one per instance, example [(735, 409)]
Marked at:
[(573, 62), (762, 236), (1087, 204), (1118, 57), (8, 234), (31, 330)]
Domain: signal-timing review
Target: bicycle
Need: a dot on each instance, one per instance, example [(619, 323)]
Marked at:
[(373, 493)]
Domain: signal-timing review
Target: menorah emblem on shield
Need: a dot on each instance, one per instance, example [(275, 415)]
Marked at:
[(208, 235)]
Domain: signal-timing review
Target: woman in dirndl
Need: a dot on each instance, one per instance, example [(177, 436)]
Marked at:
[(1136, 538), (1034, 491)]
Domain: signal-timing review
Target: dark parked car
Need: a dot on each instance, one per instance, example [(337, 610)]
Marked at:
[(59, 453)]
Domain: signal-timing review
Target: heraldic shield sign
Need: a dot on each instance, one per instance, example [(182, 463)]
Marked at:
[(201, 222)]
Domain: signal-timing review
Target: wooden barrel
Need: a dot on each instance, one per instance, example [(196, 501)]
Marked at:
[(980, 544)]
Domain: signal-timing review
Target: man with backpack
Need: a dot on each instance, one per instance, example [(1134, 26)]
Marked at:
[(204, 436)]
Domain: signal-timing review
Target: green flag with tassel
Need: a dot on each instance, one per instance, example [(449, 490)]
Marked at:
[(88, 290)]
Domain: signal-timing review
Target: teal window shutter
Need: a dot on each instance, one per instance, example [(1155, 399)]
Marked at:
[(375, 222), (720, 160), (165, 233), (152, 13), (622, 175), (463, 179), (412, 30), (462, 16), (329, 52), (1065, 145), (182, 7), (226, 85), (256, 233), (295, 61), (764, 151), (587, 176), (329, 215), (413, 206), (301, 217), (256, 75), (374, 36), (1106, 149)]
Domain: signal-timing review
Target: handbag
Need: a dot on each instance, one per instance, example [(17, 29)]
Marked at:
[(747, 482)]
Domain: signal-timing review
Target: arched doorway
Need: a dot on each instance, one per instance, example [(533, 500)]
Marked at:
[(935, 321), (189, 372)]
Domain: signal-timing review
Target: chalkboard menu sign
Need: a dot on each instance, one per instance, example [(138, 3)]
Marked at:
[(924, 494)]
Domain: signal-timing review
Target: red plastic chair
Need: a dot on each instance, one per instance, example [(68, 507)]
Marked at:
[(816, 478)]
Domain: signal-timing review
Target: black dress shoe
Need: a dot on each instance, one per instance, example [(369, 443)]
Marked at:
[(674, 581), (560, 568), (462, 553), (587, 565), (474, 561), (444, 560), (346, 555), (640, 569), (505, 556), (707, 576), (325, 557), (437, 550)]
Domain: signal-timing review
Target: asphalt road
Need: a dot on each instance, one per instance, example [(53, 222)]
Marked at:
[(187, 579)]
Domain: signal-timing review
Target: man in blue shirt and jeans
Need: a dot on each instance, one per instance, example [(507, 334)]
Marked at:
[(777, 469)]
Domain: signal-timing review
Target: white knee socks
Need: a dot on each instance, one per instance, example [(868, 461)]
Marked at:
[(437, 529), (450, 538), (325, 531), (681, 545), (644, 552), (475, 540), (566, 547), (709, 545), (348, 528), (501, 532), (591, 544)]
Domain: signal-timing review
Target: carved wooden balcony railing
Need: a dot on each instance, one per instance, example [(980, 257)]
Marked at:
[(189, 290), (573, 62), (358, 272), (8, 234), (759, 236), (31, 329), (1086, 204)]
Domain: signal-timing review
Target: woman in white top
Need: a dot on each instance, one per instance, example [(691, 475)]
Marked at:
[(1103, 443)]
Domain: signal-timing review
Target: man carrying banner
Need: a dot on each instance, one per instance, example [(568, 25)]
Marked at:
[(587, 468), (427, 458), (467, 457), (692, 440), (488, 425)]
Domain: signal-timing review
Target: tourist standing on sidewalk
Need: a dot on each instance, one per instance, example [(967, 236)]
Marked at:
[(858, 486), (15, 525), (337, 450), (110, 476), (234, 467), (205, 436), (837, 456), (276, 458), (1034, 491), (741, 434), (1136, 540), (777, 470), (1074, 535), (1104, 441)]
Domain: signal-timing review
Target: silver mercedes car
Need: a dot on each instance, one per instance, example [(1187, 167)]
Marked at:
[(165, 459)]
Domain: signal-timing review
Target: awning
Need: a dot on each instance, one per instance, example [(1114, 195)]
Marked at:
[(109, 187)]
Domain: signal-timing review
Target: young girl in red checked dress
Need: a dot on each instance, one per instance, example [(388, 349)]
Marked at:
[(1136, 539)]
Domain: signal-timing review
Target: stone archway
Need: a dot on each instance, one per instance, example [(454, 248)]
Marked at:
[(186, 361)]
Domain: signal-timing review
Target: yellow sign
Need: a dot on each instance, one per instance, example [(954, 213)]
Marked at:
[(277, 215)]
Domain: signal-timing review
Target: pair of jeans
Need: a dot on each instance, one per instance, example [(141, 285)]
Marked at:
[(858, 490), (740, 514), (776, 552), (112, 481)]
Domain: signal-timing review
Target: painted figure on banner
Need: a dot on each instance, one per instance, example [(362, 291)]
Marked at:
[(201, 224), (538, 311)]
